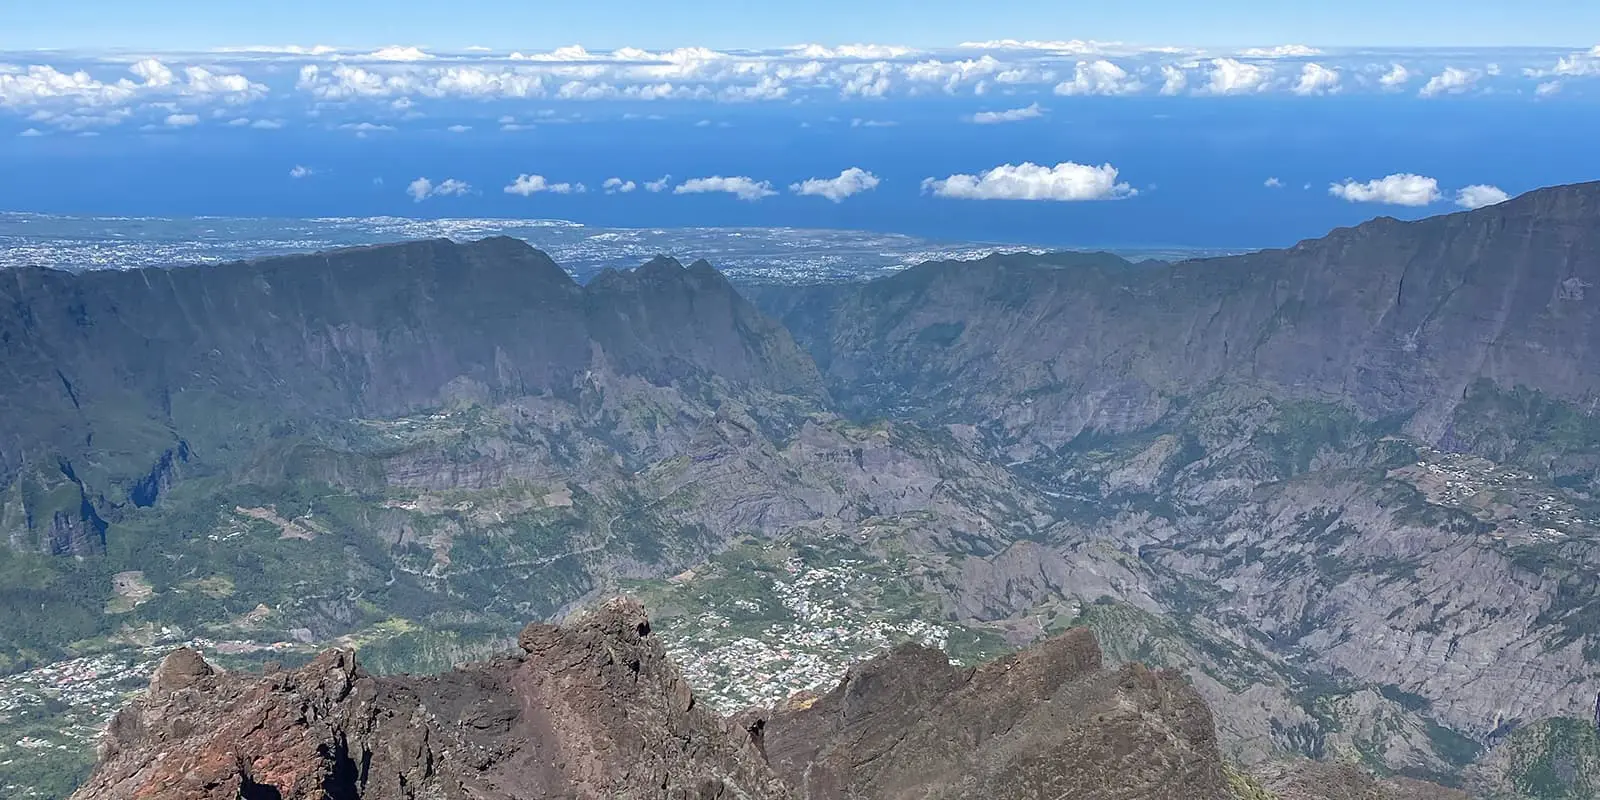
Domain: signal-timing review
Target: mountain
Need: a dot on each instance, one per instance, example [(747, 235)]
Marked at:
[(1351, 484), (595, 709), (408, 450), (1389, 317), (353, 373), (1346, 489), (118, 378)]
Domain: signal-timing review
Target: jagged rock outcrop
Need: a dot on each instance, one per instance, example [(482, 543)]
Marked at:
[(1047, 722), (594, 709)]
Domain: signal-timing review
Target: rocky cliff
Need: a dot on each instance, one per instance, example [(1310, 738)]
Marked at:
[(1392, 318), (589, 711), (596, 710), (115, 379)]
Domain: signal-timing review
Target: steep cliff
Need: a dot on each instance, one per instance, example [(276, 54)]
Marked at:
[(1392, 318)]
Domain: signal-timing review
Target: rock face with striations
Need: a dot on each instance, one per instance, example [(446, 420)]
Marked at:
[(1394, 317), (112, 380)]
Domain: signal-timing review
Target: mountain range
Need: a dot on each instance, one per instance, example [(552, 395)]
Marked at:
[(1347, 488)]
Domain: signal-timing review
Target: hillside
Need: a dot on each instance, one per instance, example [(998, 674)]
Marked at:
[(1348, 489)]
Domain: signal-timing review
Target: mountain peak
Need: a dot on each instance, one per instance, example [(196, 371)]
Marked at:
[(595, 709)]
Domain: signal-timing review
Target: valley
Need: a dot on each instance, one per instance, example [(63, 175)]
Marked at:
[(1359, 522)]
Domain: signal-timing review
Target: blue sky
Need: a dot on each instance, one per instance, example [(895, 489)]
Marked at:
[(184, 24), (1011, 122)]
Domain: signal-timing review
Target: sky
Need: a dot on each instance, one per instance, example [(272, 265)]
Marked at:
[(1034, 123), (510, 24)]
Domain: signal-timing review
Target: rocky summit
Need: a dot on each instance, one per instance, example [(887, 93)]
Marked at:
[(1331, 513), (595, 709)]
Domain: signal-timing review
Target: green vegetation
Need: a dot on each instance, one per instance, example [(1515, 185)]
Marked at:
[(1244, 786), (1558, 759), (1302, 430), (1526, 426)]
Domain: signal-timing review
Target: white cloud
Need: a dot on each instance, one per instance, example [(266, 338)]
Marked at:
[(1547, 88), (852, 181), (1401, 189), (860, 52), (744, 188), (1229, 76), (345, 82), (181, 120), (1396, 77), (858, 122), (422, 188), (301, 172), (365, 127), (1099, 77), (769, 87), (618, 186), (1492, 70), (267, 124), (528, 185), (1273, 183), (1576, 65), (397, 53), (1281, 51), (1175, 78), (1067, 181), (1316, 79), (866, 80), (152, 72), (1010, 115), (1480, 195), (284, 49), (459, 128), (659, 185), (241, 122), (952, 76), (201, 81), (1451, 81), (31, 132), (1070, 47), (41, 84)]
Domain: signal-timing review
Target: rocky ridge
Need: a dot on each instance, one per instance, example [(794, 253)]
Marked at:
[(594, 709)]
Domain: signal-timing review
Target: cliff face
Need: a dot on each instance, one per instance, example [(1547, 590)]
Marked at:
[(1392, 317), (111, 379), (595, 710)]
